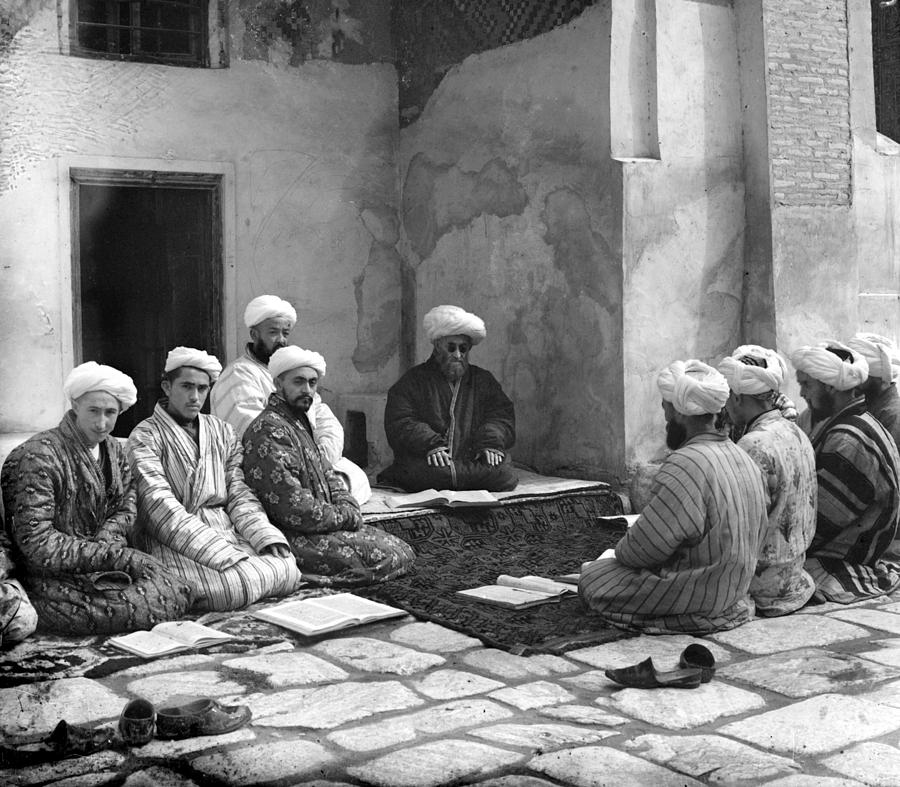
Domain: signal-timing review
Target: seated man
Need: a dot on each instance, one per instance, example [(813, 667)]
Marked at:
[(195, 513), (244, 387), (303, 496), (449, 423), (857, 469), (785, 455), (687, 562), (18, 618), (70, 507), (880, 389)]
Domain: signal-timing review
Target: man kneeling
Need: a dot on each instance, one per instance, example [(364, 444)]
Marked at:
[(687, 562)]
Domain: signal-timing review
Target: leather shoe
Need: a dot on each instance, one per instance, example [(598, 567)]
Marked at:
[(66, 740), (200, 717), (137, 722), (696, 656), (645, 676)]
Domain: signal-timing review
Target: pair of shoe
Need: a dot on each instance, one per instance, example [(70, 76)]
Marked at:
[(66, 740), (140, 720), (696, 665)]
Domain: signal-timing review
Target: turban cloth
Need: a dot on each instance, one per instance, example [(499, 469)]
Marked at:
[(744, 378), (452, 321), (823, 365), (266, 306), (880, 354), (199, 359), (693, 388), (92, 376), (292, 357)]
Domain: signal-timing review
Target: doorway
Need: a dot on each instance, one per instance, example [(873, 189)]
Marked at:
[(147, 273)]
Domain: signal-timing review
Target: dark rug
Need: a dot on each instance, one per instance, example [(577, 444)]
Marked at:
[(466, 547)]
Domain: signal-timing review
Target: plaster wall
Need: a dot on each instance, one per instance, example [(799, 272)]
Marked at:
[(309, 154)]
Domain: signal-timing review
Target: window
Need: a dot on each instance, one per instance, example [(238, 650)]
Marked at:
[(155, 31), (886, 61)]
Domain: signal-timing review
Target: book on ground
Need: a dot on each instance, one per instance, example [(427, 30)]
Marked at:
[(431, 498), (173, 636), (505, 596), (620, 519), (314, 616), (569, 579), (541, 584)]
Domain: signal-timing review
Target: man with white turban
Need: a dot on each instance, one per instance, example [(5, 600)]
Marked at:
[(70, 508), (245, 385), (784, 454), (302, 495), (858, 476), (448, 422), (687, 562), (195, 513), (880, 390)]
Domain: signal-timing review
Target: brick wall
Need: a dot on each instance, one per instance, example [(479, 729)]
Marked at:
[(809, 101)]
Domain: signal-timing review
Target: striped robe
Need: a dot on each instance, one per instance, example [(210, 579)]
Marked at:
[(858, 471), (687, 562), (785, 455), (197, 516)]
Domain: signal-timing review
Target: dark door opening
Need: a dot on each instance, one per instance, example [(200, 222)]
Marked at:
[(147, 273)]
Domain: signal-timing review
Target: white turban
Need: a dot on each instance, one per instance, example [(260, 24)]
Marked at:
[(292, 357), (200, 359), (266, 306), (880, 354), (693, 388), (746, 378), (452, 321), (823, 365), (92, 376)]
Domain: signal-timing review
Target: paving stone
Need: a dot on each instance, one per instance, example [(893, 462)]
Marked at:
[(89, 780), (593, 680), (177, 687), (817, 725), (289, 669), (511, 667), (888, 652), (805, 780), (264, 762), (892, 607), (832, 606), (169, 750), (540, 737), (516, 781), (533, 695), (772, 635), (873, 618), (889, 694), (802, 673), (324, 707), (433, 764), (439, 719), (434, 638), (446, 684), (711, 757), (173, 664), (64, 769), (602, 766), (583, 714), (156, 776), (35, 709), (375, 655), (663, 650), (875, 764)]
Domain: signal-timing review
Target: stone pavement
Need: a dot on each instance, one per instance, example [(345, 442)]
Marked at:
[(810, 699)]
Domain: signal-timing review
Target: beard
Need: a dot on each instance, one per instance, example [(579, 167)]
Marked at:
[(262, 352), (300, 404), (676, 434), (454, 369)]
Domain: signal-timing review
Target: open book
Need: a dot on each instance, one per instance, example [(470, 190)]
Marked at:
[(172, 636), (512, 597), (541, 584), (431, 498), (620, 519), (314, 616)]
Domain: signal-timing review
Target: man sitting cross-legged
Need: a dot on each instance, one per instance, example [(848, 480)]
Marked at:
[(785, 455), (449, 423), (300, 492), (880, 389), (857, 468), (687, 562), (70, 507), (195, 513)]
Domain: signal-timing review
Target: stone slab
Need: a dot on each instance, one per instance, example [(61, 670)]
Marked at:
[(593, 680), (806, 780), (805, 672), (679, 709), (440, 719), (894, 606), (873, 618), (712, 758), (264, 762), (325, 707), (583, 714), (773, 635), (817, 725), (178, 687), (64, 769), (540, 737), (889, 694), (533, 695), (511, 667), (663, 650), (294, 668), (156, 776), (170, 750), (448, 684), (98, 779), (875, 764), (433, 638), (434, 764), (374, 655), (516, 781), (34, 709), (602, 766), (173, 664), (888, 652)]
